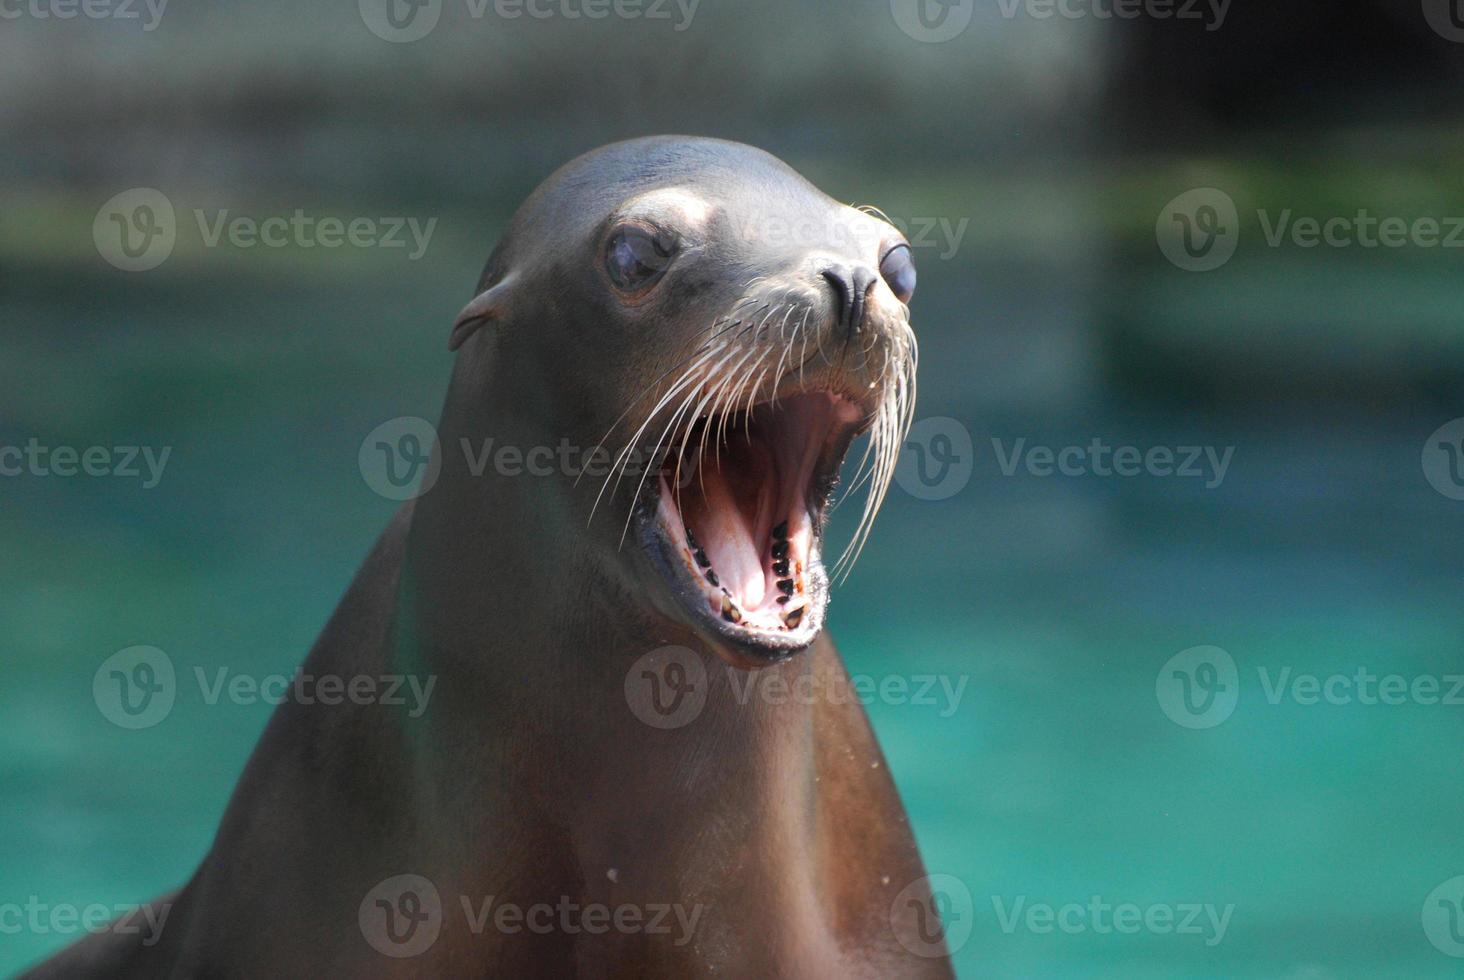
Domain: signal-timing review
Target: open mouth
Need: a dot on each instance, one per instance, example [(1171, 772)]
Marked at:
[(739, 514)]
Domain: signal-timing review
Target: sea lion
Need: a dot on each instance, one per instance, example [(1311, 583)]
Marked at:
[(701, 299)]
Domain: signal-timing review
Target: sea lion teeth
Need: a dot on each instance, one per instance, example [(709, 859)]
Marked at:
[(793, 617), (785, 586), (780, 533), (730, 612), (780, 550)]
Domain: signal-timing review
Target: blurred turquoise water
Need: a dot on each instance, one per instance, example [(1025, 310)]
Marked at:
[(1054, 778)]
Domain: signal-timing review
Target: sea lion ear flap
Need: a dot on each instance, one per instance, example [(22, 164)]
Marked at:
[(487, 305)]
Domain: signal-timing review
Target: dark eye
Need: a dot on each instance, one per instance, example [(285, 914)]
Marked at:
[(636, 257), (898, 269)]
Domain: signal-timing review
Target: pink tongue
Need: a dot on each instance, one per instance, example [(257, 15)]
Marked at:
[(724, 532)]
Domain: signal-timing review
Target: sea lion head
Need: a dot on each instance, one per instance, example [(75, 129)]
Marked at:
[(712, 332)]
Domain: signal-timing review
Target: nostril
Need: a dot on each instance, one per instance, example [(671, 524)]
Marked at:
[(838, 277), (852, 287)]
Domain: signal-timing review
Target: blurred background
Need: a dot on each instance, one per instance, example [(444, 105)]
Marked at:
[(1112, 217)]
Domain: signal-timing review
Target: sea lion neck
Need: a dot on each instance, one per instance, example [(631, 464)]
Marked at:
[(603, 807)]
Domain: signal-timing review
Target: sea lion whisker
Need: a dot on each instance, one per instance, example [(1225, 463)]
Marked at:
[(787, 349), (751, 398), (686, 437), (719, 413), (650, 388), (700, 355), (873, 211), (742, 387), (617, 469), (736, 391), (675, 420), (893, 419), (640, 484), (715, 381), (712, 394)]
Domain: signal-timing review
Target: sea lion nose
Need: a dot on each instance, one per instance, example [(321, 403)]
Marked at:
[(852, 286)]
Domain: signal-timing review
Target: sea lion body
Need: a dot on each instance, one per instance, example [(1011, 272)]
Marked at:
[(766, 833)]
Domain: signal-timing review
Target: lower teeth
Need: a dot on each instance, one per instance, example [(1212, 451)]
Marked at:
[(730, 612), (786, 585)]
